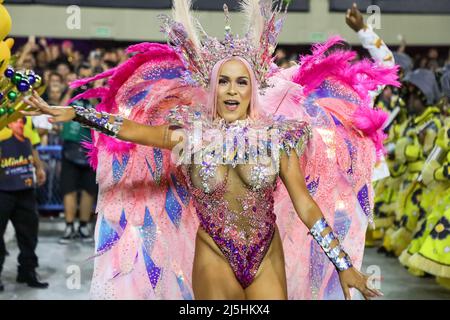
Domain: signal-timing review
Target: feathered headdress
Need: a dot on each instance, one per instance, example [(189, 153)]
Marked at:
[(200, 52)]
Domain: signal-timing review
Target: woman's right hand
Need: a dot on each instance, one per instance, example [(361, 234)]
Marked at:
[(58, 114)]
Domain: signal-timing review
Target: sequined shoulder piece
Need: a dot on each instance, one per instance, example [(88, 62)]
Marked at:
[(184, 116), (293, 135)]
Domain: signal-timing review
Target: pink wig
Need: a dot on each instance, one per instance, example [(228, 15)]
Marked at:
[(254, 111)]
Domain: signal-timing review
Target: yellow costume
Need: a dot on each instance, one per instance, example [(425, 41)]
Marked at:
[(430, 250), (5, 44), (386, 190), (412, 149), (435, 199)]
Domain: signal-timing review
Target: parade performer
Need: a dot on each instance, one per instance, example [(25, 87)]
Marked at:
[(430, 247), (411, 151), (434, 204), (386, 190), (317, 139)]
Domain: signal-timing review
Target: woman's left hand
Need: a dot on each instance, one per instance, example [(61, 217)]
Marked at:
[(352, 278)]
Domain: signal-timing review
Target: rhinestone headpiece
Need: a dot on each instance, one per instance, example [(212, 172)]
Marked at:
[(201, 53)]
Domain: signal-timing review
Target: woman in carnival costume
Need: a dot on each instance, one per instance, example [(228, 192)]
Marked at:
[(311, 126), (431, 228)]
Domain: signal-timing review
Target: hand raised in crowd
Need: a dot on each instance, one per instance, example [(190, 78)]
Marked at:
[(57, 113), (31, 45), (43, 42), (354, 18)]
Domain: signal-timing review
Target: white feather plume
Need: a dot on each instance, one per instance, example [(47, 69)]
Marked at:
[(255, 21), (182, 13)]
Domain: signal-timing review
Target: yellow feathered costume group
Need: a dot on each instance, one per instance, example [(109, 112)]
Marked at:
[(412, 206)]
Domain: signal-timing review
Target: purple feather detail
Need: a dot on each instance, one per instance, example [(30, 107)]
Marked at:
[(363, 199)]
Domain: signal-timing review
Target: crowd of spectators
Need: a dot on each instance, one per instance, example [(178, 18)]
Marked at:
[(60, 63)]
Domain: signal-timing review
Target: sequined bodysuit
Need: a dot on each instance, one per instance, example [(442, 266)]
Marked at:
[(232, 195)]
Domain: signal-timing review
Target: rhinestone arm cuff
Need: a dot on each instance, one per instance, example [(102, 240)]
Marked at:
[(99, 121), (333, 253)]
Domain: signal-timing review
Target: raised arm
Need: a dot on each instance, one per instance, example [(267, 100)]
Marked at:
[(368, 38), (155, 136), (311, 215), (378, 50)]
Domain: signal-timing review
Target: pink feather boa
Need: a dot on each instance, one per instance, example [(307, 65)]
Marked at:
[(370, 122), (144, 53), (362, 76)]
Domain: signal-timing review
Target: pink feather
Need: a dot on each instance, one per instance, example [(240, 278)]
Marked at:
[(146, 52), (82, 82), (90, 94), (92, 152), (113, 145), (363, 76), (145, 46), (154, 52), (370, 122)]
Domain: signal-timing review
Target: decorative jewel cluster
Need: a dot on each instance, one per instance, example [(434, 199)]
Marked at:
[(333, 253), (257, 52), (90, 118), (14, 86)]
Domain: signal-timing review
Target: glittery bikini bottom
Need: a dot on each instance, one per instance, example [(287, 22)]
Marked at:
[(244, 257)]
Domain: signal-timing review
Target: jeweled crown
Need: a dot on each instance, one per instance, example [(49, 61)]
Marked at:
[(200, 53)]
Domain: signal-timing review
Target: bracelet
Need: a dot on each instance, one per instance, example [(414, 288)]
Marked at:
[(333, 253), (98, 121)]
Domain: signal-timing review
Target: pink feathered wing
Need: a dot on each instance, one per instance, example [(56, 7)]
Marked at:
[(146, 227), (332, 94)]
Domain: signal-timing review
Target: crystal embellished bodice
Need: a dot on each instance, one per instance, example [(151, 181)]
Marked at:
[(232, 171)]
